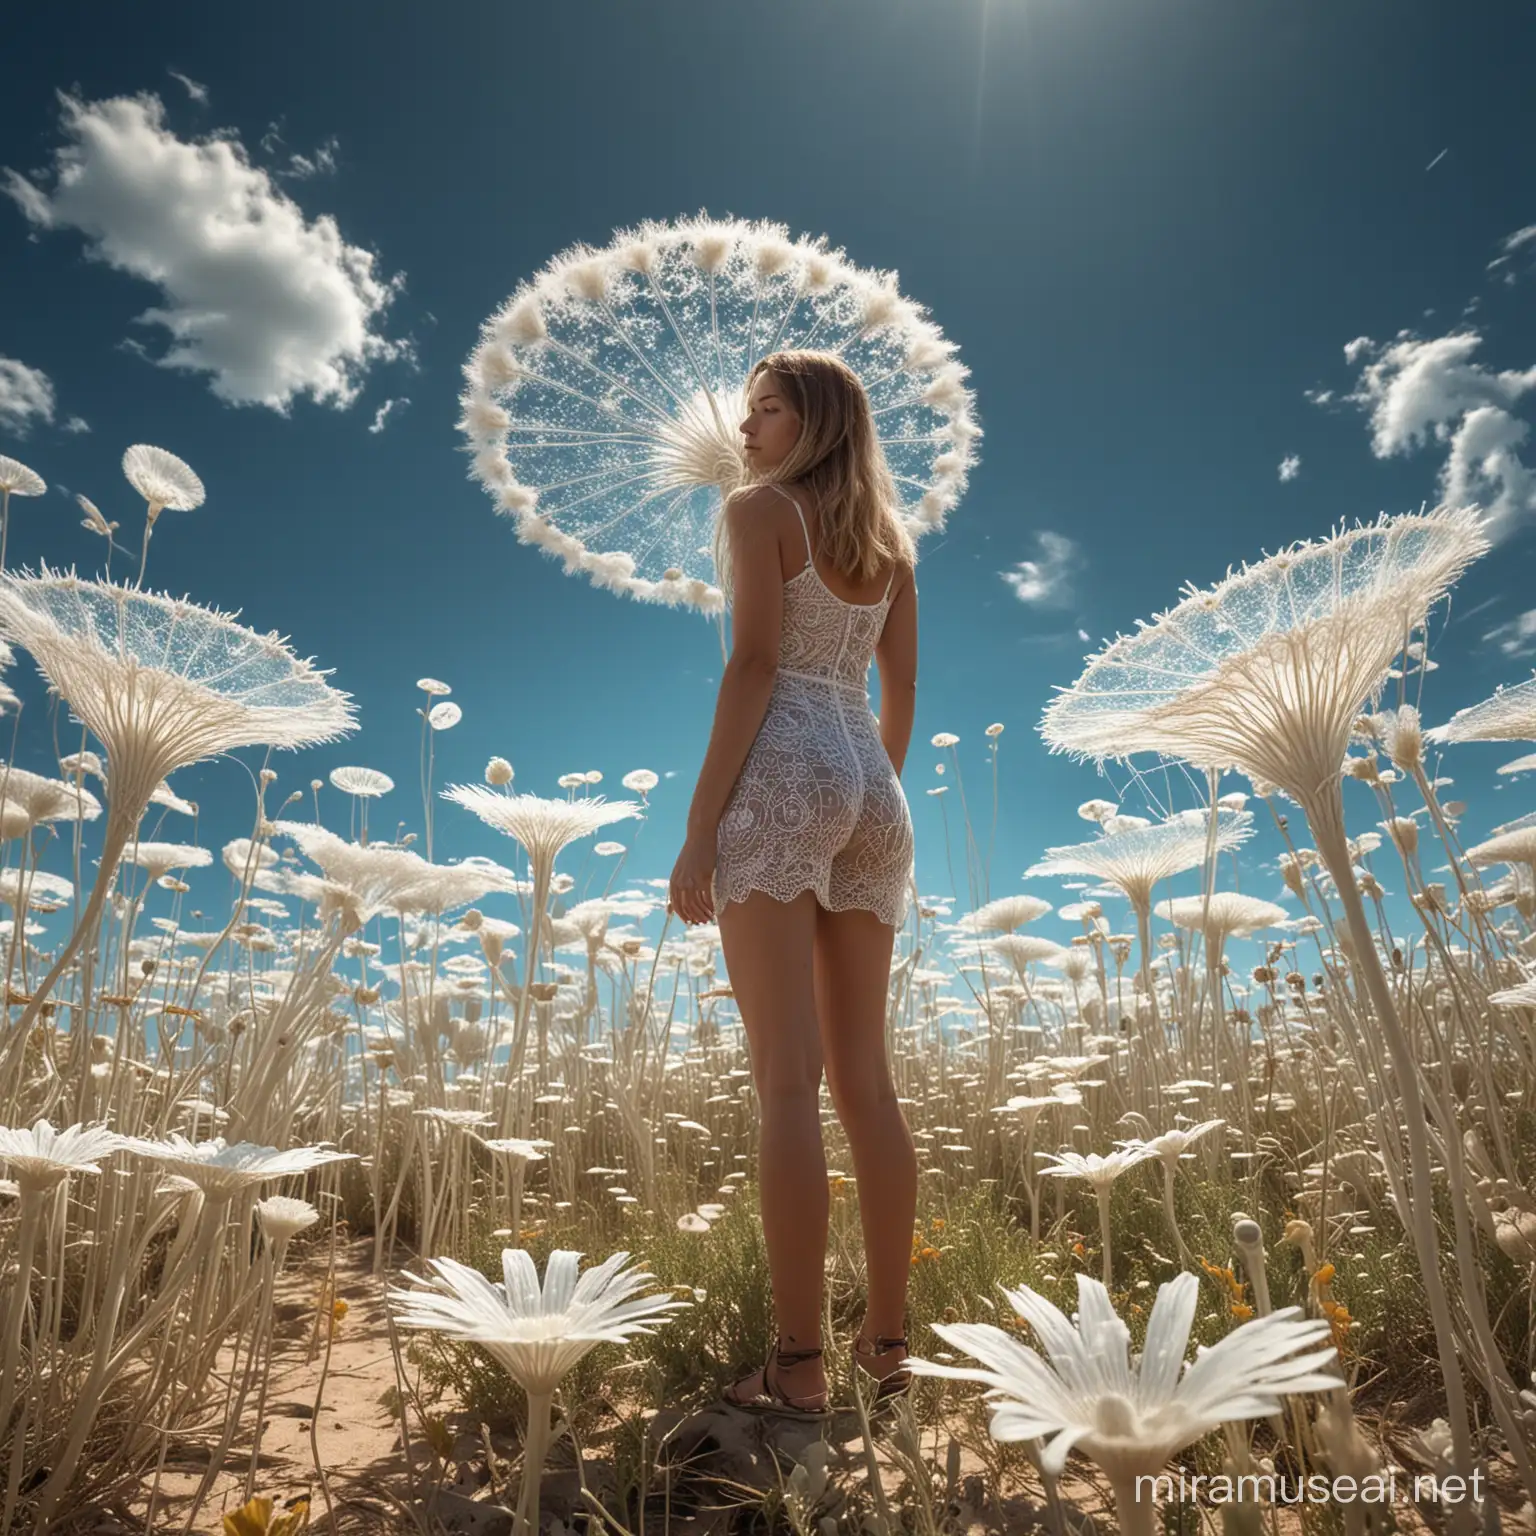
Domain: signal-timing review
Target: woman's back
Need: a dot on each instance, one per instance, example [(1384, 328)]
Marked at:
[(823, 635)]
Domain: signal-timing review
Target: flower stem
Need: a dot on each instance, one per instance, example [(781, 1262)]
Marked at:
[(535, 1447), (1104, 1236), (1137, 1516), (1169, 1211), (1326, 819)]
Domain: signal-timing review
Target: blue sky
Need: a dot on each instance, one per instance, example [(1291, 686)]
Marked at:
[(1153, 231)]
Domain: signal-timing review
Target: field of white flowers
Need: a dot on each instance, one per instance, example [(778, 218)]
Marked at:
[(1295, 1149)]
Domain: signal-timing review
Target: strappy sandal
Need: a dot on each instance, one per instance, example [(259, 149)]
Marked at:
[(772, 1399), (893, 1384)]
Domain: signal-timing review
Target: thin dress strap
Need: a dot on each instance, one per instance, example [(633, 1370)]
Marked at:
[(809, 554)]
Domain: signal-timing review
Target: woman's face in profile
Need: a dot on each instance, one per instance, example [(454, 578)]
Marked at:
[(771, 428)]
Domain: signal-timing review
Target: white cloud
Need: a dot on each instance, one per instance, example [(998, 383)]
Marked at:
[(1517, 637), (1290, 466), (1511, 246), (1420, 392), (381, 417), (321, 163), (194, 88), (26, 396), (1047, 579), (76, 424), (271, 305)]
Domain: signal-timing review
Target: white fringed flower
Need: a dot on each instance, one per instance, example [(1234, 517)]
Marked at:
[(1099, 1171), (283, 1217), (223, 1171), (1175, 1144), (536, 1337), (41, 1156), (1130, 1419)]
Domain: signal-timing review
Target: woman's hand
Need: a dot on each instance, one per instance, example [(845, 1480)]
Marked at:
[(690, 894)]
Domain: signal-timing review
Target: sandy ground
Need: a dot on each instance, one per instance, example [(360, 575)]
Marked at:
[(366, 1487), (353, 1436)]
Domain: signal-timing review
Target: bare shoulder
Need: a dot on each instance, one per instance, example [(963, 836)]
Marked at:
[(754, 502), (757, 514)]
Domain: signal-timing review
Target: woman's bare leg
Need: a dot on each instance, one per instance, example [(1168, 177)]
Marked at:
[(853, 972), (768, 948)]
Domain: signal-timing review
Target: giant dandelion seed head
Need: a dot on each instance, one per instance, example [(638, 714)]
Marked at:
[(1267, 671), (1225, 914), (362, 880), (163, 480), (1508, 715), (1005, 914), (1517, 846), (1135, 860), (161, 858), (542, 826), (31, 798), (162, 682), (17, 480), (602, 405), (364, 783)]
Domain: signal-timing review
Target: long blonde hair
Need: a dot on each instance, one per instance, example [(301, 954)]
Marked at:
[(839, 460)]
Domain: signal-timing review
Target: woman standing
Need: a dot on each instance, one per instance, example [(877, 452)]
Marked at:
[(799, 843)]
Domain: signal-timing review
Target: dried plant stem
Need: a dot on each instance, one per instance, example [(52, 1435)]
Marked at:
[(1325, 815)]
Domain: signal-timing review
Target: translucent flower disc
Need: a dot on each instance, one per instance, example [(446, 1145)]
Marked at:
[(604, 401), (1266, 670)]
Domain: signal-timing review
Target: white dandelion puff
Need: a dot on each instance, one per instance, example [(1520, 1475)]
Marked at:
[(603, 401)]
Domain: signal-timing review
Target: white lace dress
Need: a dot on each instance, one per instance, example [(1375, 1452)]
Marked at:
[(817, 805)]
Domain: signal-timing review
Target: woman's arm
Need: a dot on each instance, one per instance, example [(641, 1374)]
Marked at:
[(757, 613), (896, 658)]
